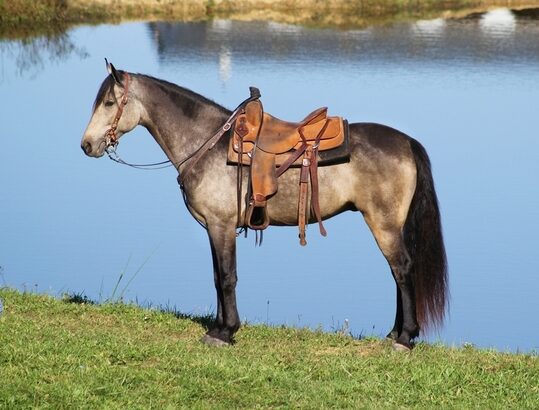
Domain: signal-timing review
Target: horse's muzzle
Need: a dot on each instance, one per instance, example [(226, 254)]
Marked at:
[(86, 147), (93, 150)]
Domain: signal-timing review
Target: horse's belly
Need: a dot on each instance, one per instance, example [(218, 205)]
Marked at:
[(335, 196)]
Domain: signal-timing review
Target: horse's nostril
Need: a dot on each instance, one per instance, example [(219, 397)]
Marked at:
[(86, 147)]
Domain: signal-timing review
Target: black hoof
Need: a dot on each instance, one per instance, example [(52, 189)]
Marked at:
[(213, 341)]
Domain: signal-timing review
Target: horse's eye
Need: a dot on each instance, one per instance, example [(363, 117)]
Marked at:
[(109, 103)]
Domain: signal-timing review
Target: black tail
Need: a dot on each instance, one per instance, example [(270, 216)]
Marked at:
[(425, 244)]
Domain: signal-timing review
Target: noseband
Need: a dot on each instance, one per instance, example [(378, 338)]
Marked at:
[(111, 139)]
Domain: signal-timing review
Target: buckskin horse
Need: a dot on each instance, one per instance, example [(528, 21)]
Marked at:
[(387, 178)]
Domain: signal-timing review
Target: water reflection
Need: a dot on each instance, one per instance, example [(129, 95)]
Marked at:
[(33, 54), (430, 29), (498, 23), (439, 40), (468, 95), (225, 64)]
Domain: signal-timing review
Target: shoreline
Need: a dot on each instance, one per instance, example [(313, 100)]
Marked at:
[(27, 18)]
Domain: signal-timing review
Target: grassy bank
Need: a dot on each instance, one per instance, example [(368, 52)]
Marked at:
[(61, 354), (20, 17)]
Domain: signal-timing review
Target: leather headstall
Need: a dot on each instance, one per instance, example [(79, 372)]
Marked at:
[(111, 139)]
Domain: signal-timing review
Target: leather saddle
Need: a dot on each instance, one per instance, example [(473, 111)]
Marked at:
[(271, 146)]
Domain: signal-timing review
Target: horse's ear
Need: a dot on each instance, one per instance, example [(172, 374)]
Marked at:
[(112, 71)]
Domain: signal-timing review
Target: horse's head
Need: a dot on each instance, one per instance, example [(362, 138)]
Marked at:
[(115, 113)]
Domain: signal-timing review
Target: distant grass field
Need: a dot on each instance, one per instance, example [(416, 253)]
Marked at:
[(74, 354)]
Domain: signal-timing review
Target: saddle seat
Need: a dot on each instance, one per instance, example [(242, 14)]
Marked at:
[(278, 136), (275, 136), (270, 146)]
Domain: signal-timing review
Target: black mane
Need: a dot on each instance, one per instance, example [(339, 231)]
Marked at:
[(188, 101), (185, 99)]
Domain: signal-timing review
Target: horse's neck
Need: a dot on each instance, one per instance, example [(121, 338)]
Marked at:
[(179, 120)]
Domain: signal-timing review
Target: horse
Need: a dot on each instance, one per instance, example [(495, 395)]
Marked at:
[(388, 179)]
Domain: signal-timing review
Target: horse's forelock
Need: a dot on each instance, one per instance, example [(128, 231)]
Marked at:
[(103, 90), (105, 87)]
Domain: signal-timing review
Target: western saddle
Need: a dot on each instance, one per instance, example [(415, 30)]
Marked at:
[(271, 146)]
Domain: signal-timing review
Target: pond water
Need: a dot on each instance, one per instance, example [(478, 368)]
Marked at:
[(466, 88)]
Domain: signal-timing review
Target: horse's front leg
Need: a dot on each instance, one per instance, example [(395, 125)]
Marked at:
[(223, 248)]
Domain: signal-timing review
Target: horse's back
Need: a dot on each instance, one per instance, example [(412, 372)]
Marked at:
[(386, 141), (379, 179)]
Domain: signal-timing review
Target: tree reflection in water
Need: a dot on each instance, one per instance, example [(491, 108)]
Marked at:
[(31, 55)]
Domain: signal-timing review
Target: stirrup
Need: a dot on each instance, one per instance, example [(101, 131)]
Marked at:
[(257, 217)]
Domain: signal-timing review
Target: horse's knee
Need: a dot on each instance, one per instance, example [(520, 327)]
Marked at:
[(229, 281)]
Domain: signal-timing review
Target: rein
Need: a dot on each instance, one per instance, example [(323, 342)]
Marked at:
[(111, 141), (111, 138), (113, 155), (209, 144)]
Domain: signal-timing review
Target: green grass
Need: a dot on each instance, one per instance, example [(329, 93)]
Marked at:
[(61, 354)]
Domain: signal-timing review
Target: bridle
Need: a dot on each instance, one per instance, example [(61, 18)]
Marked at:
[(111, 139), (111, 142)]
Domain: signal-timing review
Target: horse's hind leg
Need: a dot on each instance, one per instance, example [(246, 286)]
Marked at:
[(391, 243), (397, 327), (223, 247)]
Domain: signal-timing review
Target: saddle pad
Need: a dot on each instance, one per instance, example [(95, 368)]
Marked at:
[(333, 150)]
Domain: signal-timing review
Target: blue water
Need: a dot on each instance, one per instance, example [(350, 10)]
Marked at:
[(467, 89)]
